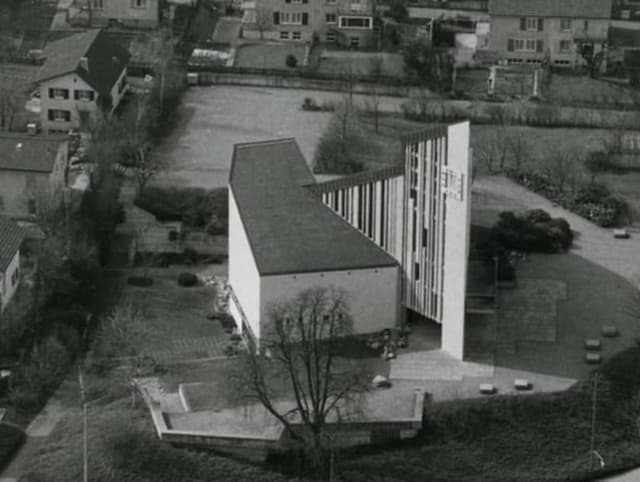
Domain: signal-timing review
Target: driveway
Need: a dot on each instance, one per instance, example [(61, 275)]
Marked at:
[(593, 243)]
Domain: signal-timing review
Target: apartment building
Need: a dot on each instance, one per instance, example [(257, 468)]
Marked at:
[(556, 31), (81, 74), (345, 22), (396, 240)]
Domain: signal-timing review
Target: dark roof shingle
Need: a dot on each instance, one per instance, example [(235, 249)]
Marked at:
[(105, 57), (289, 229), (551, 8), (11, 236), (22, 152)]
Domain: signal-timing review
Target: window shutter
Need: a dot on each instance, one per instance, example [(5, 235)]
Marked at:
[(305, 18), (50, 93), (510, 46), (539, 46), (67, 115), (76, 94), (276, 18), (50, 114), (523, 23), (540, 24)]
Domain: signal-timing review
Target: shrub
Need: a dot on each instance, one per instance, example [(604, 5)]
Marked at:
[(11, 438), (187, 279), (535, 231), (195, 207), (291, 61)]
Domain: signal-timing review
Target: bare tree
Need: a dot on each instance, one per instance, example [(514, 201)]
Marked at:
[(341, 141), (263, 20), (519, 149), (299, 358), (492, 148), (562, 168), (373, 107)]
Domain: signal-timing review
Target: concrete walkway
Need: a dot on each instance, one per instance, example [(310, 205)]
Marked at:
[(59, 406), (593, 243)]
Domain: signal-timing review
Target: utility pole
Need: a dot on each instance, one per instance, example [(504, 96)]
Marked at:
[(593, 420), (83, 405)]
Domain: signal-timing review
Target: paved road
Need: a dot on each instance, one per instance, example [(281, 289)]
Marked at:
[(595, 244)]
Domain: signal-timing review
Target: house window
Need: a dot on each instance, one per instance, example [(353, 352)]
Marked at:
[(532, 24), (355, 22), (331, 36), (565, 24), (31, 206), (417, 271), (565, 46), (354, 42), (293, 18), (57, 93), (98, 4), (331, 1), (331, 18), (586, 25), (297, 35), (525, 45), (83, 94), (139, 3), (59, 115), (355, 5), (284, 35)]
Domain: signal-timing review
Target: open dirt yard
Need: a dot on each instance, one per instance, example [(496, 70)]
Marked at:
[(213, 119)]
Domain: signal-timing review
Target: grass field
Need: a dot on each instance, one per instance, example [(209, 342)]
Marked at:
[(175, 316), (268, 56)]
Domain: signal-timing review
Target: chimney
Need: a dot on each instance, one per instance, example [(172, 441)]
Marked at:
[(84, 63)]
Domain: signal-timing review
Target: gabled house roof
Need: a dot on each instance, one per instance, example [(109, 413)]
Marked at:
[(551, 8), (289, 229), (11, 236), (105, 59), (23, 152)]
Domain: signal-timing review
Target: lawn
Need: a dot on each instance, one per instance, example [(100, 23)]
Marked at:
[(123, 447), (175, 316), (570, 89), (340, 62), (268, 55)]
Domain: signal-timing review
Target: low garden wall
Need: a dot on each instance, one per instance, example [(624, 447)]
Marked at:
[(286, 82)]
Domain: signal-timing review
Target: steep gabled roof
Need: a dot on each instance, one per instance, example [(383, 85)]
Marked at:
[(11, 236), (22, 152), (551, 8), (105, 58), (289, 229)]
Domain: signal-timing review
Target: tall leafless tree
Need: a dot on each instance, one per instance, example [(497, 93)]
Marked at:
[(298, 358)]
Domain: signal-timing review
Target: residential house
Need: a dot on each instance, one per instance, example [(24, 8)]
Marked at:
[(11, 236), (345, 22), (623, 55), (129, 13), (33, 169), (82, 72), (626, 14), (560, 32)]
